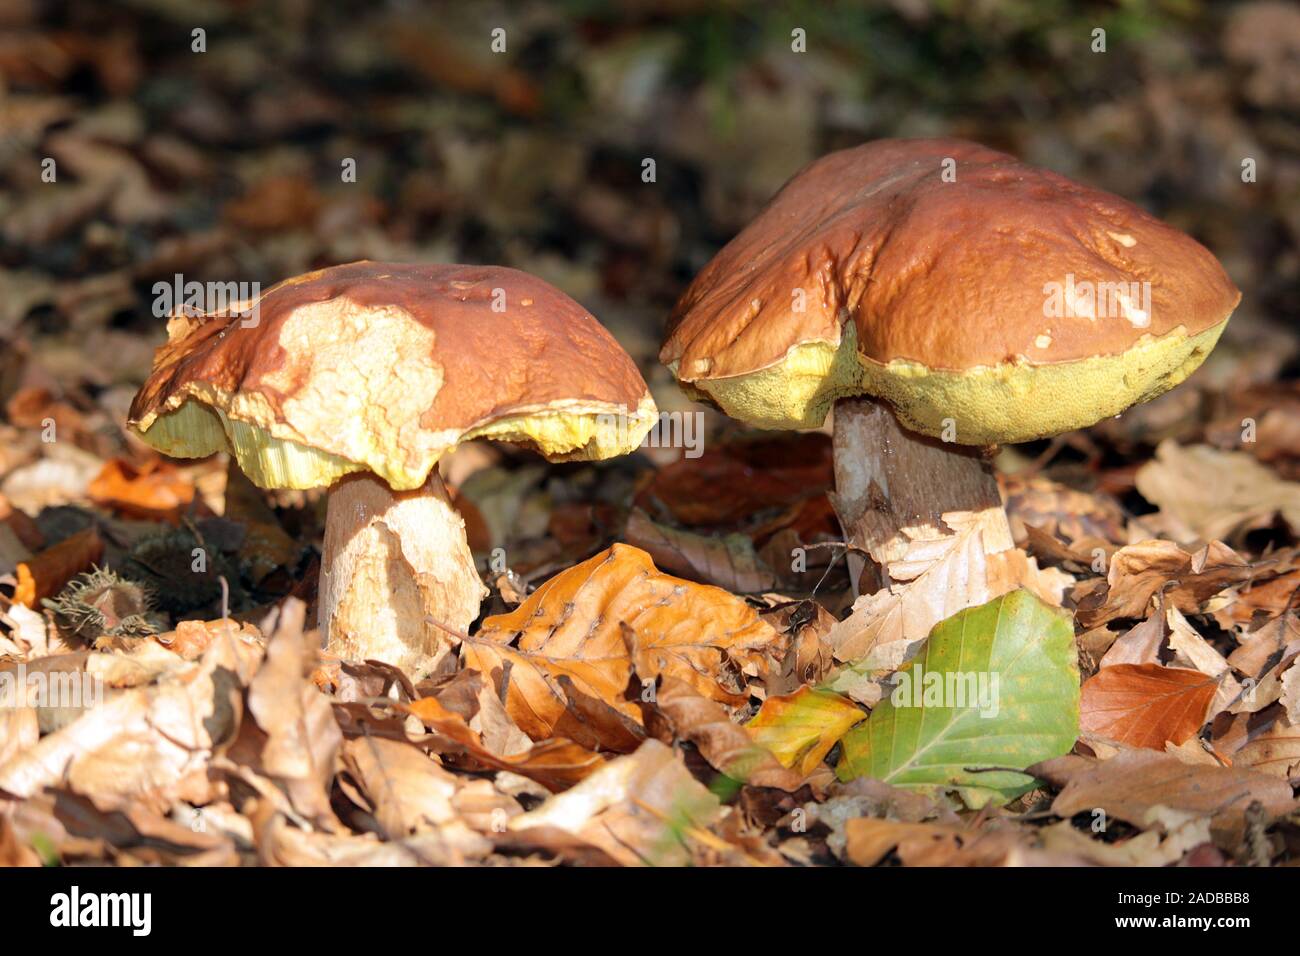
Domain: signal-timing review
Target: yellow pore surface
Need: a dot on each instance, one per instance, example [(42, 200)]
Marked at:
[(988, 404)]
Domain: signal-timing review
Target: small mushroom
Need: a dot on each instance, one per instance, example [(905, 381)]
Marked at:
[(360, 378), (944, 298)]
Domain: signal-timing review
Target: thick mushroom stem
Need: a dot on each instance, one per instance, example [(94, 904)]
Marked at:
[(893, 487), (395, 563)]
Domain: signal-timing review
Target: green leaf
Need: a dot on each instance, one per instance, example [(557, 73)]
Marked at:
[(996, 686)]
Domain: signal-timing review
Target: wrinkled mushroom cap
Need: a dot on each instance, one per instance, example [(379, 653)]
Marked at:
[(386, 367), (965, 300)]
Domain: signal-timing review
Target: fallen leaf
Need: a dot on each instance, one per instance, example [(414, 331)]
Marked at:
[(1146, 705), (1243, 494), (157, 491), (47, 572), (302, 737), (573, 626), (801, 728), (1140, 570), (995, 689), (643, 808), (725, 744), (934, 580), (1137, 785), (557, 764), (728, 561)]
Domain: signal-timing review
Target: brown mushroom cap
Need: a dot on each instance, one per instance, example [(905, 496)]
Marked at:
[(385, 367), (968, 299)]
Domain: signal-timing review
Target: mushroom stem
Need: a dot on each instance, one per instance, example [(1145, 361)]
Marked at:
[(893, 487), (392, 561)]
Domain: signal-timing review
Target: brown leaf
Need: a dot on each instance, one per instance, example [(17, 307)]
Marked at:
[(1243, 495), (758, 473), (1136, 785), (725, 744), (1145, 705), (47, 572), (573, 626), (728, 561), (156, 491), (302, 736), (1140, 570), (641, 808), (407, 790), (556, 764)]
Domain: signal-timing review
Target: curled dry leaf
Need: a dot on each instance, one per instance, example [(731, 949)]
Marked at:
[(935, 579), (1243, 495), (573, 625), (302, 736), (1146, 705), (556, 764), (728, 561), (1140, 787), (157, 490), (641, 808), (725, 744), (45, 574), (1137, 572)]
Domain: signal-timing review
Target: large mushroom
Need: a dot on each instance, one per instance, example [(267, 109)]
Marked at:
[(944, 298), (360, 378)]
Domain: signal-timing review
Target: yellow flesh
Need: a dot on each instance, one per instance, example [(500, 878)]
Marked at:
[(196, 429), (1010, 402)]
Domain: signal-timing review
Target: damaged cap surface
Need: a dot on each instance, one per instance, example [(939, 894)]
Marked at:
[(379, 367)]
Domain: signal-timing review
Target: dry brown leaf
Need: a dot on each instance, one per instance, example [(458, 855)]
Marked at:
[(1137, 572), (156, 491), (728, 561), (1242, 495), (407, 790), (573, 625), (1140, 644), (1140, 786), (1192, 650), (556, 764), (1274, 751), (934, 580), (726, 745), (1145, 705), (47, 572), (302, 737), (869, 840), (641, 808)]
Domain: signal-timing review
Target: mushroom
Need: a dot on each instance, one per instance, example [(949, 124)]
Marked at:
[(360, 378), (944, 298)]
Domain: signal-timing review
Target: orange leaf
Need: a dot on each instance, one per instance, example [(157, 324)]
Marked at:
[(800, 728), (1145, 705), (579, 625), (155, 491), (556, 764), (47, 572)]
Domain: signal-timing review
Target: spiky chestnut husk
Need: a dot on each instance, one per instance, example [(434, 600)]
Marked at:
[(100, 603), (182, 579)]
